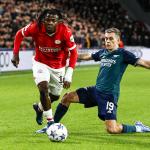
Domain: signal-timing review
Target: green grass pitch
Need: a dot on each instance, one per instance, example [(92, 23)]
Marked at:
[(86, 131)]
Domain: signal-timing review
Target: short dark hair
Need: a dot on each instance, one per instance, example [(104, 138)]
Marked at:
[(45, 12), (113, 30)]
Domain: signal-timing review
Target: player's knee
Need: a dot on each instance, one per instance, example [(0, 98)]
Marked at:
[(112, 129), (67, 98), (43, 88), (53, 97)]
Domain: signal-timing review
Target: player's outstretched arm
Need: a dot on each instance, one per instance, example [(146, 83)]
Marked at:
[(85, 56), (28, 30), (143, 63), (17, 43)]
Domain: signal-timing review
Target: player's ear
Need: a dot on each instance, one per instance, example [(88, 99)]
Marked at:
[(118, 40)]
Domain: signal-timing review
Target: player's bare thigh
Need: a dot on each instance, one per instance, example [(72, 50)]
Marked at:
[(71, 97)]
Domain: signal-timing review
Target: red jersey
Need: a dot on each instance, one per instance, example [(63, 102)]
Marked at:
[(51, 50)]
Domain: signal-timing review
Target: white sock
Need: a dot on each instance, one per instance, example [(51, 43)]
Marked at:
[(138, 129), (48, 114), (40, 106)]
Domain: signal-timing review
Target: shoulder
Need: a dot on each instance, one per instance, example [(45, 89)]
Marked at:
[(29, 29), (129, 57), (32, 26), (64, 27), (122, 51), (125, 52), (102, 50)]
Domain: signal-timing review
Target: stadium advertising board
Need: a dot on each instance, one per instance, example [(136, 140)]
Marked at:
[(26, 58), (25, 61)]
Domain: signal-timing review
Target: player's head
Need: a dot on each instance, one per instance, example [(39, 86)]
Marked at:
[(50, 18), (112, 38)]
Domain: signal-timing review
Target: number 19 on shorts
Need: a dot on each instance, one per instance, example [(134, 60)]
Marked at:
[(109, 107)]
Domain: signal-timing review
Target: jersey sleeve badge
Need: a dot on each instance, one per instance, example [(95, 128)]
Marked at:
[(71, 38)]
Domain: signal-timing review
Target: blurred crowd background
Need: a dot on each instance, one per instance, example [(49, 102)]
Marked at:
[(87, 18)]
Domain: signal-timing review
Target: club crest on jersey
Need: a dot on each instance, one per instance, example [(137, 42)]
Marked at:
[(71, 38), (57, 41)]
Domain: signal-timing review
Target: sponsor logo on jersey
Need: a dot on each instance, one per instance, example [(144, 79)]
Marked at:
[(49, 49), (57, 41), (107, 62), (71, 38), (116, 56)]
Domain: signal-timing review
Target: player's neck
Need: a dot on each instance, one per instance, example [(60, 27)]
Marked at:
[(51, 34)]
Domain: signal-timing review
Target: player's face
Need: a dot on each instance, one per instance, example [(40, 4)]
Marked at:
[(50, 23), (111, 41)]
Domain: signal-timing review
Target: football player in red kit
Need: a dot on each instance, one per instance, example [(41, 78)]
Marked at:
[(53, 43)]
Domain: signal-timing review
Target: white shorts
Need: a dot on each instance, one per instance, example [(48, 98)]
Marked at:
[(54, 77)]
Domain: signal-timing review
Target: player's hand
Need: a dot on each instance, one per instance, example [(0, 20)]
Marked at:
[(68, 78), (66, 84), (15, 60)]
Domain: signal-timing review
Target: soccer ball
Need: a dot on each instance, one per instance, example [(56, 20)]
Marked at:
[(57, 132)]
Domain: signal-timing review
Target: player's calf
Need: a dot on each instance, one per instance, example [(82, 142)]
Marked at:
[(62, 107), (44, 95)]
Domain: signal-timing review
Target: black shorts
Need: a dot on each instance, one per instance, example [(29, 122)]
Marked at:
[(90, 96)]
